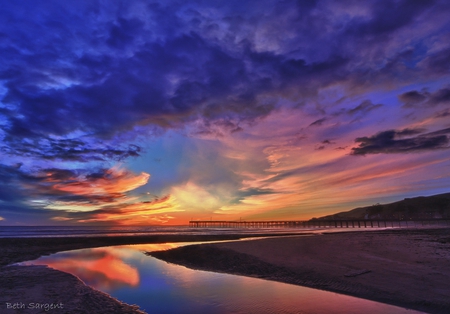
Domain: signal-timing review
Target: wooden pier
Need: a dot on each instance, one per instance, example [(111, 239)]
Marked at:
[(351, 223)]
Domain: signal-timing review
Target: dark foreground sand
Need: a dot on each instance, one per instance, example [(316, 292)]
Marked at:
[(38, 289), (408, 268)]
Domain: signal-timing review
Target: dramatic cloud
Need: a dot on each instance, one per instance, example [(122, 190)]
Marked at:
[(123, 213), (412, 98), (425, 98), (232, 101), (104, 186), (68, 150), (318, 122), (393, 142), (364, 108), (103, 73), (105, 192), (11, 181)]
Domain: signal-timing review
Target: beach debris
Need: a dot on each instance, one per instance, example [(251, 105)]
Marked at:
[(357, 272)]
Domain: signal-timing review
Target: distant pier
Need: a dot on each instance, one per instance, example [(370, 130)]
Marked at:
[(350, 223)]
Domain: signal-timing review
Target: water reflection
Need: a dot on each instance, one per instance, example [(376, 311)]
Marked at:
[(101, 268), (158, 287)]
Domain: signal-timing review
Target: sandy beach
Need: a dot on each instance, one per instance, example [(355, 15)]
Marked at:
[(39, 289), (407, 268)]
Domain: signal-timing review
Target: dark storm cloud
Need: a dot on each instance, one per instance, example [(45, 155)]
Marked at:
[(440, 132), (443, 114), (437, 63), (122, 32), (318, 122), (403, 141), (363, 108), (243, 194), (412, 98), (255, 191), (440, 96), (324, 144), (408, 132), (10, 179), (389, 16), (101, 70), (424, 98), (66, 149), (209, 83), (217, 128)]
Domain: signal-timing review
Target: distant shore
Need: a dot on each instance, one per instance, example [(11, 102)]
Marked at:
[(38, 289), (403, 267)]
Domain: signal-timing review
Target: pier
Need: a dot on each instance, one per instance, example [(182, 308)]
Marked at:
[(349, 223)]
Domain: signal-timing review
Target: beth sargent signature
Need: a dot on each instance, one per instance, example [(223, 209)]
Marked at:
[(43, 306)]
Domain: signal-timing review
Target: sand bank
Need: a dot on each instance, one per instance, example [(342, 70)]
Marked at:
[(38, 289), (408, 268)]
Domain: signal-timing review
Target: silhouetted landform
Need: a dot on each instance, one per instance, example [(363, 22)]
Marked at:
[(416, 208)]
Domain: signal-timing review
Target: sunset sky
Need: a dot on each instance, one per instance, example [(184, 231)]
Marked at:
[(158, 112)]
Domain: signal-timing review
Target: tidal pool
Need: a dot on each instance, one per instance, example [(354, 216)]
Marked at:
[(129, 275)]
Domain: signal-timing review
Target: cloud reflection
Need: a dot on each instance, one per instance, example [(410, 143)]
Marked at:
[(101, 268)]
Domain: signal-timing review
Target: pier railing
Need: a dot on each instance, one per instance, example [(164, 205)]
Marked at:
[(349, 223)]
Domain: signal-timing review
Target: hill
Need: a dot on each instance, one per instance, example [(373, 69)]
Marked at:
[(422, 207)]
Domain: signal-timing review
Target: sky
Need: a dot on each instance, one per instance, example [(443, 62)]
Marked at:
[(159, 112)]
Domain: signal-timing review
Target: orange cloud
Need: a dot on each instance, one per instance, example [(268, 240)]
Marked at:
[(137, 213), (110, 182), (103, 196), (284, 175)]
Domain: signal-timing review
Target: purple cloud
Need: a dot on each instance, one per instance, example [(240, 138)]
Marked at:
[(392, 141)]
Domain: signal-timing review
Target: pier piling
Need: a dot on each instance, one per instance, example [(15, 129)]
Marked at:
[(348, 223)]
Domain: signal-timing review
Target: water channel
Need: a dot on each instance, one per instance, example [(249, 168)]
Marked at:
[(129, 275)]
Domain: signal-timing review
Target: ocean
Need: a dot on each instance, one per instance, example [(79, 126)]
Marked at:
[(90, 231)]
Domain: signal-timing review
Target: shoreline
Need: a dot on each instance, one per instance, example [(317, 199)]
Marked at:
[(402, 267), (273, 257), (21, 249), (40, 289)]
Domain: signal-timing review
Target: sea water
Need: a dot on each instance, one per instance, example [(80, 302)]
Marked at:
[(89, 231)]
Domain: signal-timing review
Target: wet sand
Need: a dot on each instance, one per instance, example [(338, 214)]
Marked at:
[(39, 289), (407, 268)]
